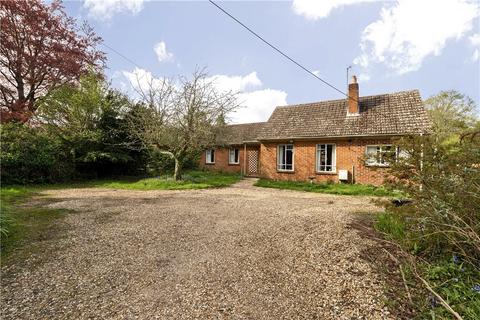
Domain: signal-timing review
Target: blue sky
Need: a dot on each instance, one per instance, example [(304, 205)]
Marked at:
[(429, 45)]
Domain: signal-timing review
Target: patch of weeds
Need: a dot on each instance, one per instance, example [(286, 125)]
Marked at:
[(391, 225), (457, 283), (27, 226)]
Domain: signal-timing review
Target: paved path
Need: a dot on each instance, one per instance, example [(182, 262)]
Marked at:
[(235, 253)]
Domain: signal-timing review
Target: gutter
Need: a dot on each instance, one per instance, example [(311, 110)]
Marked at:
[(337, 137)]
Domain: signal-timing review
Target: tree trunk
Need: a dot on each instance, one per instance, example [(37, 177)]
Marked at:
[(177, 175)]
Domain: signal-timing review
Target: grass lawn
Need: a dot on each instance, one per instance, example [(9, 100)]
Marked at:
[(191, 180), (21, 224), (332, 188)]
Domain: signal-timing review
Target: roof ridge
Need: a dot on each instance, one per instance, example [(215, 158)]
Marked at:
[(243, 124), (344, 99)]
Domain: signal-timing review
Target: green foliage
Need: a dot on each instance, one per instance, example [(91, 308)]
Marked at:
[(443, 181), (440, 173), (451, 113), (30, 155), (332, 188), (455, 283), (391, 225), (90, 121)]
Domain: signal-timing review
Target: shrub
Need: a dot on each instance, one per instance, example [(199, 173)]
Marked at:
[(29, 155), (441, 221), (89, 119), (443, 182)]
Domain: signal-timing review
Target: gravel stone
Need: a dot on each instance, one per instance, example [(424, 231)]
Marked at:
[(240, 252)]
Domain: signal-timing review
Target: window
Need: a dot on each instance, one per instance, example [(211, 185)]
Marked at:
[(285, 157), (326, 158), (210, 156), (381, 155), (233, 156)]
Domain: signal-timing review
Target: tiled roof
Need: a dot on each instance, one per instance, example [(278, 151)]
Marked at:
[(240, 133), (386, 114)]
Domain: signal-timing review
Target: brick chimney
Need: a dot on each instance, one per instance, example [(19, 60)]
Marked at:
[(353, 97)]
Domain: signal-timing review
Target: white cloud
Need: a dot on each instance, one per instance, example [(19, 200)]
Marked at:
[(141, 79), (257, 104), (476, 55), (104, 10), (411, 30), (363, 77), (236, 83), (475, 39), (475, 42), (316, 9), (162, 53)]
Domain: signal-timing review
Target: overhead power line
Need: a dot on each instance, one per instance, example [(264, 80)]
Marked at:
[(291, 59), (121, 55), (279, 51)]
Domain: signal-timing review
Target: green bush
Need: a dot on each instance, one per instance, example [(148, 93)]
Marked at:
[(89, 119), (29, 155), (440, 225), (443, 182)]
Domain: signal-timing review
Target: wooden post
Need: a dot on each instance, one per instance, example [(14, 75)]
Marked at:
[(244, 159)]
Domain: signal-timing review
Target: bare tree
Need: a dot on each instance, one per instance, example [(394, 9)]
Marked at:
[(181, 118)]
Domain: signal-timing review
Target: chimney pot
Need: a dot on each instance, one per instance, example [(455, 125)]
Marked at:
[(353, 97)]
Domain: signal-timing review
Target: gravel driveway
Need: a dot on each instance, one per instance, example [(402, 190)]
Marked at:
[(235, 253)]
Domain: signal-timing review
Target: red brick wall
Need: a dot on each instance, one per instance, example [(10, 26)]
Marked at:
[(221, 161), (348, 153)]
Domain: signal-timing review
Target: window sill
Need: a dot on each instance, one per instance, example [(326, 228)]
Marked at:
[(210, 163), (329, 173), (234, 164), (285, 171)]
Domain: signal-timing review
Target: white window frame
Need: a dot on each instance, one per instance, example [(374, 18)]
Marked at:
[(208, 156), (333, 166), (284, 165), (230, 154), (369, 160)]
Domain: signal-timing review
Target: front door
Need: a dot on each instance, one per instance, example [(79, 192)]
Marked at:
[(252, 169)]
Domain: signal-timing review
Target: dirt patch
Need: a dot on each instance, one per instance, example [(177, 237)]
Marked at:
[(239, 252)]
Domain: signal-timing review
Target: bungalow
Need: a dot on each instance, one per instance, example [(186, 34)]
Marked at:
[(338, 140)]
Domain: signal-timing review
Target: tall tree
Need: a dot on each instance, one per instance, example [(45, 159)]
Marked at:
[(181, 119), (41, 49), (451, 113), (89, 120)]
